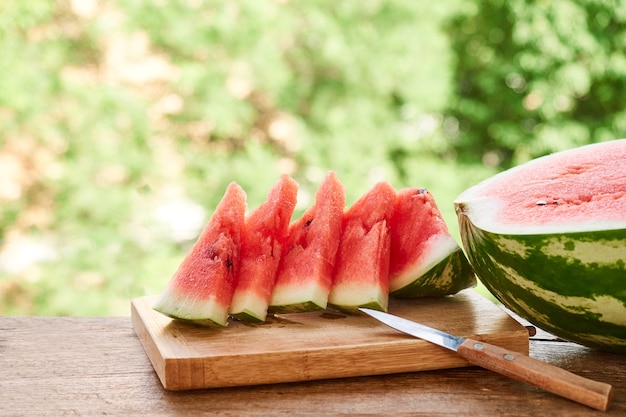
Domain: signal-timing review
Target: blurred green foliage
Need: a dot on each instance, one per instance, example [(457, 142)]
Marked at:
[(537, 77), (122, 122)]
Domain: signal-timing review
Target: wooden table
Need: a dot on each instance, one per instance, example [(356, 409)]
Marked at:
[(96, 366)]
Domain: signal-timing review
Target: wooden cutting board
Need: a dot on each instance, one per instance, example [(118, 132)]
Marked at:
[(318, 345)]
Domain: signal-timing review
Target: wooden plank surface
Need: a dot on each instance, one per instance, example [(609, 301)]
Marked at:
[(318, 345), (55, 366)]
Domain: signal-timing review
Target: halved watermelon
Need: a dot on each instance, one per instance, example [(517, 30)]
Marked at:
[(305, 274), (202, 287), (361, 277), (265, 232), (548, 238), (425, 258)]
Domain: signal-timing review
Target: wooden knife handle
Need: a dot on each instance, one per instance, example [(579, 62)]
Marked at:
[(540, 374)]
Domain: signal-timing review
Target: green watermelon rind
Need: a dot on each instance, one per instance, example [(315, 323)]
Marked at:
[(447, 276), (373, 305), (248, 317), (562, 282), (304, 307)]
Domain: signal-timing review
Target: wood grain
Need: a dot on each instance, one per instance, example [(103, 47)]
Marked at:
[(319, 345), (56, 366)]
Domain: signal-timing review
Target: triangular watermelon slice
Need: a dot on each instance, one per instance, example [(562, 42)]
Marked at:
[(425, 258), (305, 274), (202, 287), (361, 277), (265, 232)]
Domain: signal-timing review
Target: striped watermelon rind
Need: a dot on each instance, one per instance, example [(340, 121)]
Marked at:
[(445, 276), (563, 282)]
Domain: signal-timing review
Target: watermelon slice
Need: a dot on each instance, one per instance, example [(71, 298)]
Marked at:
[(305, 274), (361, 277), (548, 238), (266, 230), (202, 287), (425, 258)]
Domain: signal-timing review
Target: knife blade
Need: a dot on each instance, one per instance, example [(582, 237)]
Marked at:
[(512, 364)]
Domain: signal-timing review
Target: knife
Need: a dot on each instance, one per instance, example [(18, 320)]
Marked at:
[(509, 363)]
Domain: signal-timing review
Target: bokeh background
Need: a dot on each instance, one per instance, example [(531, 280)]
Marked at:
[(122, 122)]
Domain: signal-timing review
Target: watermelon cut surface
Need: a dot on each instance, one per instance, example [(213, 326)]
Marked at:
[(202, 287), (305, 274), (265, 232), (548, 238), (361, 277), (425, 258)]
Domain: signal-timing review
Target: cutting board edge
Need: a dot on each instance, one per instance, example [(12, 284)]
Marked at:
[(201, 372), (178, 376), (149, 344)]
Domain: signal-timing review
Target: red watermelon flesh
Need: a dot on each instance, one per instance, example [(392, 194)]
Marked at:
[(425, 259), (571, 187), (202, 287), (361, 277), (265, 232), (305, 274)]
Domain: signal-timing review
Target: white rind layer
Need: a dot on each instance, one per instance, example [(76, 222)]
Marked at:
[(483, 211), (248, 304), (309, 292), (353, 295), (205, 310)]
